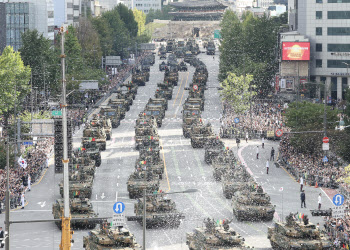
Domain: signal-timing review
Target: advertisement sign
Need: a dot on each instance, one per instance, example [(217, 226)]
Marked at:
[(296, 51), (283, 83)]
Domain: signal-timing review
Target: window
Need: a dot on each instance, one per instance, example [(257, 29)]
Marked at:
[(318, 14), (341, 31), (318, 63), (50, 29), (338, 1), (50, 14), (337, 63), (338, 47), (338, 14), (318, 31), (69, 5), (319, 1), (76, 7), (318, 47), (70, 17)]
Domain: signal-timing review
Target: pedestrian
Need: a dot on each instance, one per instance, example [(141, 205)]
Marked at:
[(272, 158), (267, 166), (22, 200), (302, 198), (301, 183), (319, 201), (1, 233), (263, 141), (246, 137), (238, 141), (29, 182), (257, 152)]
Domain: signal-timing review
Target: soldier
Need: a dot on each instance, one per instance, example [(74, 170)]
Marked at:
[(267, 166), (257, 152), (238, 141), (302, 198), (301, 183), (272, 158), (22, 200), (319, 201)]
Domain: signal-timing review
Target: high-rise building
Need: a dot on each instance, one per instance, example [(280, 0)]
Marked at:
[(326, 23), (67, 12), (18, 16), (264, 3)]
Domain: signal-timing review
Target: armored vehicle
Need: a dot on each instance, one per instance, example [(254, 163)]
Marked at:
[(181, 44), (145, 73), (213, 237), (182, 66), (88, 169), (146, 120), (160, 212), (81, 210), (195, 103), (161, 50), (92, 151), (97, 135), (200, 78), (297, 235), (102, 122), (162, 55), (139, 78), (252, 205), (188, 57), (78, 189), (146, 66), (236, 179), (170, 45), (171, 76), (131, 86), (162, 66), (140, 180), (108, 237), (150, 106), (126, 95), (200, 134), (199, 93), (159, 102), (147, 140), (223, 163), (179, 53), (151, 162), (156, 112), (213, 147), (114, 114), (211, 48), (120, 104), (151, 152)]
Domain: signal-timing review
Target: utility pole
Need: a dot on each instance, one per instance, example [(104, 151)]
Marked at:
[(324, 111), (7, 197), (144, 220), (66, 232)]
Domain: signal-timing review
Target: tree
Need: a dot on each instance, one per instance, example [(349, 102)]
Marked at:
[(128, 17), (140, 18), (3, 159), (37, 52), (13, 75), (237, 91), (306, 116), (73, 51), (105, 34), (90, 43)]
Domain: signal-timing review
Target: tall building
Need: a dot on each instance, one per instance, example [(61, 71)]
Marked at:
[(264, 3), (18, 16), (67, 12), (326, 23)]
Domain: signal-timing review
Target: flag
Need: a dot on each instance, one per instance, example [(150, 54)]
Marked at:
[(22, 162), (218, 222), (302, 216), (90, 138)]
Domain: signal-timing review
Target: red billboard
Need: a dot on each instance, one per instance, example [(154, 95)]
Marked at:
[(296, 51)]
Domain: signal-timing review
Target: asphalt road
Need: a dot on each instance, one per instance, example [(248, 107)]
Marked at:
[(185, 168)]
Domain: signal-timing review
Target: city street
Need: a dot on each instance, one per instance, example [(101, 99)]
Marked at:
[(185, 169)]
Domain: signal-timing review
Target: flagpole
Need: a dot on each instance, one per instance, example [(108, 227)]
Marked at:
[(282, 207)]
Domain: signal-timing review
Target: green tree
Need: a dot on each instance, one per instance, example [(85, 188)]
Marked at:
[(306, 116), (128, 17), (140, 18), (73, 51), (105, 34), (3, 160), (26, 116), (13, 75), (37, 52), (237, 91)]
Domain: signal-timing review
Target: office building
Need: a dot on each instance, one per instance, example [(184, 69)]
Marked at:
[(18, 16), (67, 12), (326, 23)]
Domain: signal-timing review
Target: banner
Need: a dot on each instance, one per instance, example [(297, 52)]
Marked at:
[(295, 51)]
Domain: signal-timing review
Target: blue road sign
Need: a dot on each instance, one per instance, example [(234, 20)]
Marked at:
[(236, 120), (118, 207), (325, 159), (338, 199), (27, 143)]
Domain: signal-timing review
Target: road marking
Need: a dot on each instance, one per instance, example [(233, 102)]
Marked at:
[(182, 95), (31, 211), (165, 170), (178, 91)]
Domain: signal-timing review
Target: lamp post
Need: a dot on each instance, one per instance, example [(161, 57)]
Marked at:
[(192, 190), (347, 68)]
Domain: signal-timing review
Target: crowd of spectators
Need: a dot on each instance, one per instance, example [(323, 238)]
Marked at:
[(265, 116), (36, 158), (310, 167), (338, 231)]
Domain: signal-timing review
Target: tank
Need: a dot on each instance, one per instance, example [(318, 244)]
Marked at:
[(213, 237), (213, 147), (84, 169), (170, 45), (104, 122), (91, 151), (188, 56), (146, 141), (195, 102), (183, 66), (162, 66), (154, 112), (159, 102), (110, 238), (252, 205), (78, 189), (172, 75), (236, 179), (199, 79), (200, 134), (114, 114), (139, 78), (130, 86), (160, 212), (294, 234), (125, 95), (211, 48), (95, 136), (140, 180), (154, 164), (121, 104), (223, 163), (81, 211), (164, 90), (190, 116)]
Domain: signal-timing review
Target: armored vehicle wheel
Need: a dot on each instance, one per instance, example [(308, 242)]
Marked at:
[(108, 137), (193, 144), (228, 196), (186, 135), (217, 176), (131, 196)]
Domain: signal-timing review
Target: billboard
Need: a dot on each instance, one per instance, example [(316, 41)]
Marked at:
[(296, 51)]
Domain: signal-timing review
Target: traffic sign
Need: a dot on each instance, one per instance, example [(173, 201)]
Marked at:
[(325, 146), (279, 132), (236, 120), (56, 113), (325, 140), (195, 87), (325, 159), (118, 220), (28, 143), (338, 212), (338, 199), (118, 207)]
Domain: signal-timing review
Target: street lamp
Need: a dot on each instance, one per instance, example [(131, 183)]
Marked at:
[(347, 67), (191, 190)]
